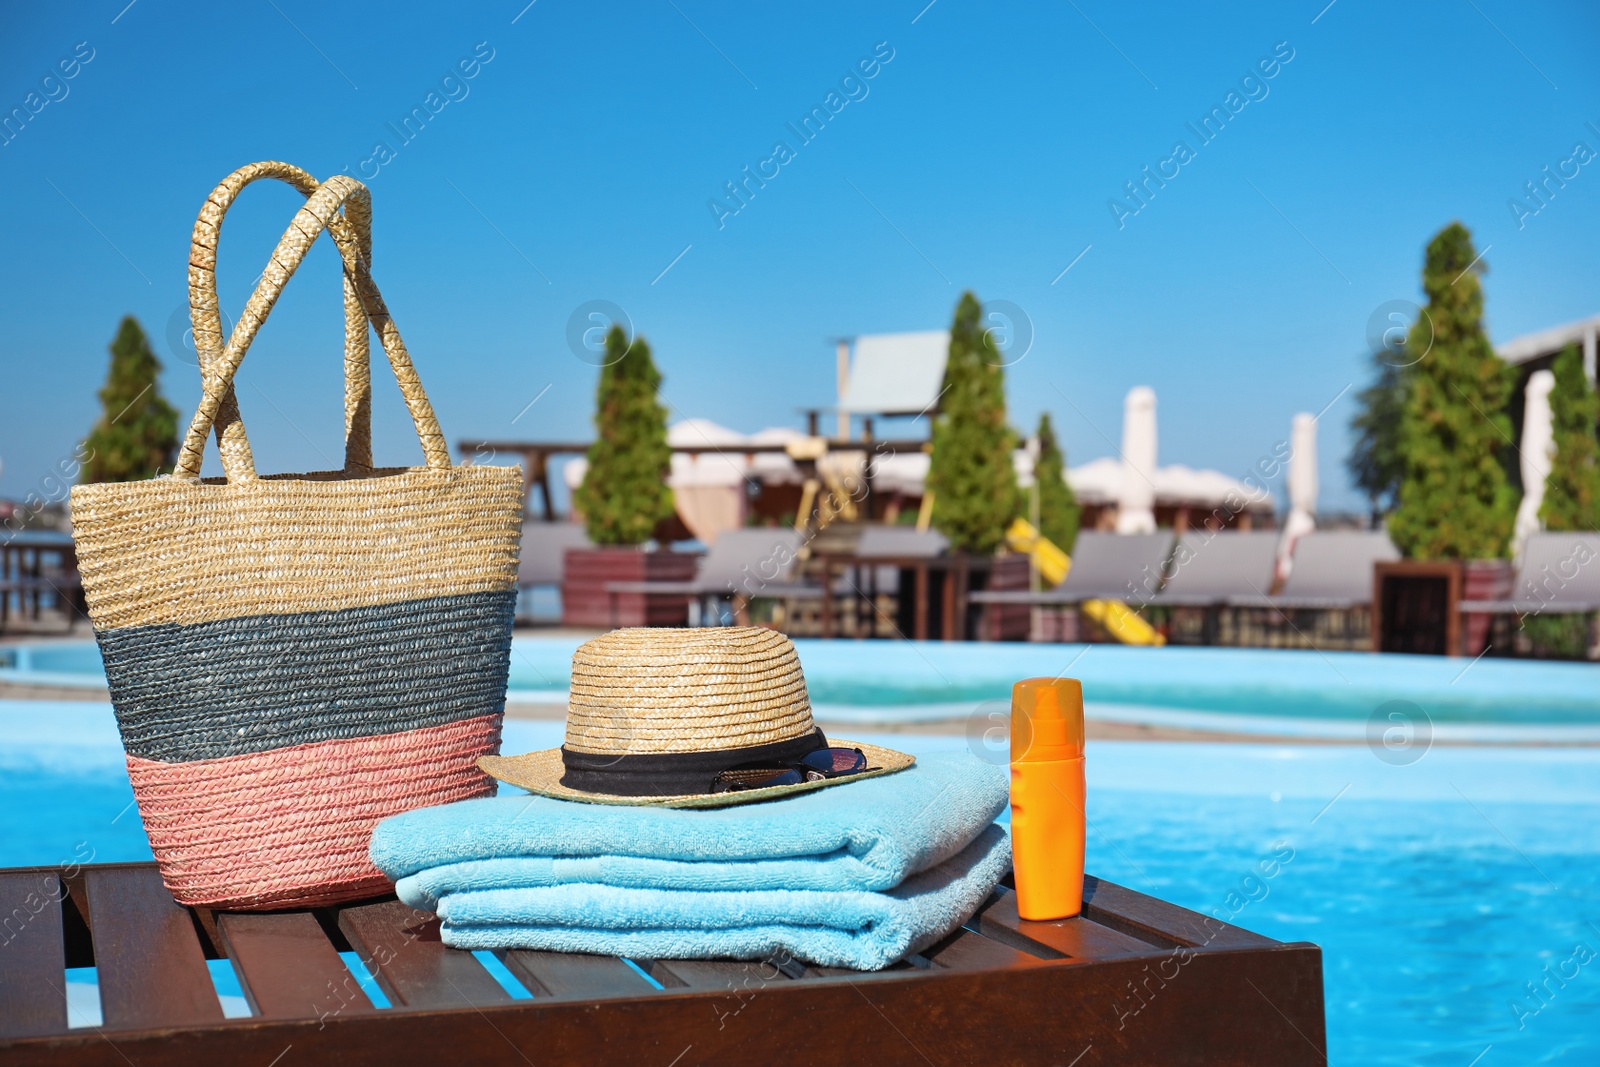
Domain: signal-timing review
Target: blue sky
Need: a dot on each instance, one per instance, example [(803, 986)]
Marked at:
[(579, 160)]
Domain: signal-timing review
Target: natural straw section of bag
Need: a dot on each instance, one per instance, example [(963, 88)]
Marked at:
[(644, 690), (173, 551), (354, 226), (321, 211), (290, 828)]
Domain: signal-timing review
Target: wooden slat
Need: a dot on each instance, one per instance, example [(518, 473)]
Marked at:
[(788, 965), (33, 978), (413, 966), (910, 963), (1078, 937), (723, 974), (288, 967), (569, 974), (1051, 1014), (967, 951), (1257, 1002), (1156, 920), (656, 970), (152, 971)]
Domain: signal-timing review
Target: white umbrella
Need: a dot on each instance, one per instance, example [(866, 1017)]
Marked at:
[(1137, 496), (1538, 449), (1302, 490)]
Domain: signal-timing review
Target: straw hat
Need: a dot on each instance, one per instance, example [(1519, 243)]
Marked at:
[(656, 714)]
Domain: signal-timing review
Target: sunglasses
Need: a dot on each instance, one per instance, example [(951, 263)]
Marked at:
[(813, 767)]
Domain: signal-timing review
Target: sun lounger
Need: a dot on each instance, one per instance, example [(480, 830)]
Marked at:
[(543, 546), (888, 548), (1331, 570), (742, 564), (1165, 985), (1105, 566), (37, 566), (900, 542), (1560, 574), (1211, 568)]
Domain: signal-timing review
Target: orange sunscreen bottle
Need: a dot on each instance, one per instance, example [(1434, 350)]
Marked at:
[(1047, 814)]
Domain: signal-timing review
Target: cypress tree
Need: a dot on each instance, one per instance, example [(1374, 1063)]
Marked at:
[(1058, 507), (970, 473), (136, 436), (1375, 462), (1572, 489), (1455, 501), (625, 492)]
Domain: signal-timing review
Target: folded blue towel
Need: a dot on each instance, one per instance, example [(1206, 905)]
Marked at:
[(865, 835), (861, 930)]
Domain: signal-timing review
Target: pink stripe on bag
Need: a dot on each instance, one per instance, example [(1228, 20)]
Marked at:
[(289, 828)]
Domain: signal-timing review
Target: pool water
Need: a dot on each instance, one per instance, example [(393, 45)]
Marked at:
[(1439, 890), (1274, 691), (907, 681)]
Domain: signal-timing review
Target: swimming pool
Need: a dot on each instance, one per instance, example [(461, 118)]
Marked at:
[(1284, 692), (1441, 890)]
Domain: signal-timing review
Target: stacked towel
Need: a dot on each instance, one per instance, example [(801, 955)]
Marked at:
[(859, 929), (855, 875)]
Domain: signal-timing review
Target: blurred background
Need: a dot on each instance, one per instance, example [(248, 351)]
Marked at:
[(582, 160)]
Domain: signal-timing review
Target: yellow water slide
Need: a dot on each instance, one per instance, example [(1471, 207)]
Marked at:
[(1122, 622), (1051, 562), (1116, 618)]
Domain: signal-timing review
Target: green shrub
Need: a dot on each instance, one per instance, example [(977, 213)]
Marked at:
[(1572, 489), (136, 436), (970, 473), (1058, 507), (625, 492), (1375, 463), (1558, 636), (1455, 501)]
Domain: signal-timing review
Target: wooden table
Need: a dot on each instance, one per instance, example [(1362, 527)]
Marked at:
[(956, 572), (1133, 980)]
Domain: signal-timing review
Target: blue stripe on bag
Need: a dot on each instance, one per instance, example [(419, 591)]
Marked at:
[(256, 683)]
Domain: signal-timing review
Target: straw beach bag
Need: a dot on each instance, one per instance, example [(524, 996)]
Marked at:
[(294, 657)]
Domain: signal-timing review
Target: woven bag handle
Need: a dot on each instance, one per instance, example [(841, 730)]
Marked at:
[(206, 317), (320, 213)]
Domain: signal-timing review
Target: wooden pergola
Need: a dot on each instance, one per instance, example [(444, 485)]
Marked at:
[(535, 457)]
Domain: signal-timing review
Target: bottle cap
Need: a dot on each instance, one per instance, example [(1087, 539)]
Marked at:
[(1046, 719)]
